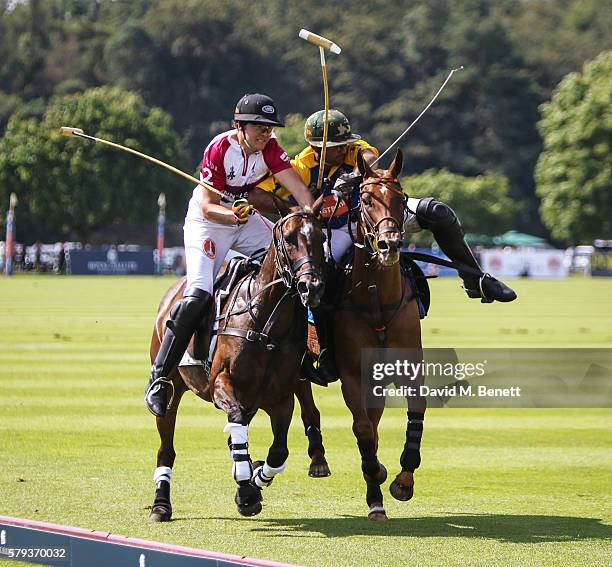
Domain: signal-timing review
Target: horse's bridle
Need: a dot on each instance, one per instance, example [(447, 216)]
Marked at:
[(289, 270), (371, 229), (285, 268)]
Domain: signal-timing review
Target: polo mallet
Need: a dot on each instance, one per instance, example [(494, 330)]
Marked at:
[(78, 133), (323, 44), (417, 118)]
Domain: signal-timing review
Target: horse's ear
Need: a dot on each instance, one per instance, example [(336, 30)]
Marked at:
[(364, 168), (396, 166)]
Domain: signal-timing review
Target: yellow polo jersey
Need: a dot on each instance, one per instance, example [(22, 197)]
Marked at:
[(307, 167)]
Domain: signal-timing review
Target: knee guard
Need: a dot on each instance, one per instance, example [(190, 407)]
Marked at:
[(189, 312), (434, 215)]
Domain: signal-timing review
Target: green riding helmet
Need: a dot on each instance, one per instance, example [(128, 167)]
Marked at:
[(338, 131)]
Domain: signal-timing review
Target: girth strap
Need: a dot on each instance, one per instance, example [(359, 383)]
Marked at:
[(251, 336)]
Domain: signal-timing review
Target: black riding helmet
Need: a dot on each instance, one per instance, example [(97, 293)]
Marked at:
[(258, 109)]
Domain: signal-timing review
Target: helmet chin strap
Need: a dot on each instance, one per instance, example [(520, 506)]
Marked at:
[(244, 139)]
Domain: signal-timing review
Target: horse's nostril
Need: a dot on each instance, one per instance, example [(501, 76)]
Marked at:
[(302, 287), (383, 245)]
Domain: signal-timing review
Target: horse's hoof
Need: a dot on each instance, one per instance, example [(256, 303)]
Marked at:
[(248, 500), (377, 514), (400, 492), (160, 514), (319, 470), (251, 510)]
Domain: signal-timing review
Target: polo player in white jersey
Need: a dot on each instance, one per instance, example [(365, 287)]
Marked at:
[(234, 162)]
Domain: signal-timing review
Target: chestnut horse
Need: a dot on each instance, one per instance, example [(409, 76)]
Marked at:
[(256, 363), (378, 311)]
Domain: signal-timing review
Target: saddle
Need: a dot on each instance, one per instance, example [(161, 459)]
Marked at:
[(232, 272)]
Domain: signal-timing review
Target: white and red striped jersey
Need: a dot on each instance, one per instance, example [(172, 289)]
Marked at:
[(229, 169)]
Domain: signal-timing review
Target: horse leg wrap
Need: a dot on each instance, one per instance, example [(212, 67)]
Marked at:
[(263, 476), (239, 451), (162, 473), (370, 465), (373, 494), (162, 508), (411, 455), (315, 440)]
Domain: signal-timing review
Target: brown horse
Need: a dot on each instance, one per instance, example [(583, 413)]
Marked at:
[(256, 363), (378, 311)]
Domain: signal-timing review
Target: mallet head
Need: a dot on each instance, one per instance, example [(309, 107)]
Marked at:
[(320, 41), (68, 131)]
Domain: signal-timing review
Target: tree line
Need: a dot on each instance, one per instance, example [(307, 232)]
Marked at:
[(164, 75)]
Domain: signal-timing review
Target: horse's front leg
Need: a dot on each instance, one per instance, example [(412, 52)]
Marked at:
[(276, 461), (311, 418), (374, 472), (161, 510), (402, 488), (248, 497)]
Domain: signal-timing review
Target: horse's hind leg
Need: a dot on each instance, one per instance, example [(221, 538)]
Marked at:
[(402, 488), (311, 418), (161, 510), (374, 472)]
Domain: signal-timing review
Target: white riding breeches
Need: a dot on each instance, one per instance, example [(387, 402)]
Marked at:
[(207, 244)]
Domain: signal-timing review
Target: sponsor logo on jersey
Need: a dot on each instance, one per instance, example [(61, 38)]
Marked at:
[(329, 204), (210, 248)]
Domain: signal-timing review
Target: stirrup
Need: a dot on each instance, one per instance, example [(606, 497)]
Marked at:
[(157, 382), (478, 293)]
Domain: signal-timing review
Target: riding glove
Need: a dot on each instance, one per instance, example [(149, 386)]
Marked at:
[(242, 209), (347, 182)]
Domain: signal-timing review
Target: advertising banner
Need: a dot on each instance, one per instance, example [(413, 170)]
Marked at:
[(527, 263), (111, 262)]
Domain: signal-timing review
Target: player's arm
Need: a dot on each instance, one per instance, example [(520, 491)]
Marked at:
[(265, 201), (213, 173), (213, 211), (294, 184), (278, 162), (349, 181)]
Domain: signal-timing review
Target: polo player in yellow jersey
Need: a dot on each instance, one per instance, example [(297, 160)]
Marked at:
[(340, 175)]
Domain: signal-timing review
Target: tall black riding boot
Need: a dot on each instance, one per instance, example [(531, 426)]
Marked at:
[(184, 320), (327, 370), (446, 228)]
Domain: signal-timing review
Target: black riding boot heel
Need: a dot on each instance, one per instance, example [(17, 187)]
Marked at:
[(184, 320)]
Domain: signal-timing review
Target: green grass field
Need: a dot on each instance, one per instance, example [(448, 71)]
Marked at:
[(496, 487)]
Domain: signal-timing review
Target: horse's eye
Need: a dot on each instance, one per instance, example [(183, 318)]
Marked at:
[(367, 201)]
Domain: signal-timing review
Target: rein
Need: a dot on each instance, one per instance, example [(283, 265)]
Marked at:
[(372, 233)]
